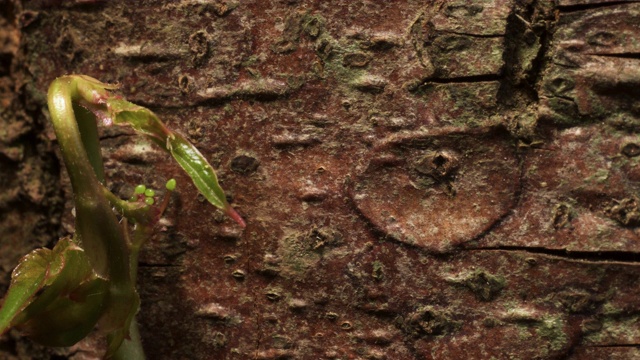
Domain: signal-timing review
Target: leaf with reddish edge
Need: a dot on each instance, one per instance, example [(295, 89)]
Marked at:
[(201, 173), (54, 296), (26, 280)]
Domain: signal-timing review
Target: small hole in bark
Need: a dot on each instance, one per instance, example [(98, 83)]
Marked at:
[(244, 164), (184, 84), (199, 46), (631, 150)]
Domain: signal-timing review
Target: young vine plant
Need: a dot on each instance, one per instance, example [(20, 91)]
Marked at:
[(58, 296)]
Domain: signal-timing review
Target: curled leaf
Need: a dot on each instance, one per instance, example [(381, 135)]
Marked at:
[(55, 297), (27, 278)]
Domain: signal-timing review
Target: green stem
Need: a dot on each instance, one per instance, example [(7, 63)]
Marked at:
[(131, 349), (89, 134), (135, 211), (98, 231)]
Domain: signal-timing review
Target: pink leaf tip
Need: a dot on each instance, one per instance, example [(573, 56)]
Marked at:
[(232, 213)]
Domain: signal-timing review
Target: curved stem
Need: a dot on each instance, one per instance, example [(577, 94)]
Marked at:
[(98, 231)]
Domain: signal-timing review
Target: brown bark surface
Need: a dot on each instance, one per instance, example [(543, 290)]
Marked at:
[(420, 179)]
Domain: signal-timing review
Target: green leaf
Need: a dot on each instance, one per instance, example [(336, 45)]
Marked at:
[(198, 168), (141, 119), (70, 317), (201, 173), (64, 300), (27, 278)]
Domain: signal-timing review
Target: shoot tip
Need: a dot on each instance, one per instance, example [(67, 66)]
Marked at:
[(232, 213)]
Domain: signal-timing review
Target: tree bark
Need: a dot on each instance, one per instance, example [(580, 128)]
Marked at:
[(420, 179)]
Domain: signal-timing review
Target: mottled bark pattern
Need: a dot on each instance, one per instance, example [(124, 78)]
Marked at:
[(420, 179)]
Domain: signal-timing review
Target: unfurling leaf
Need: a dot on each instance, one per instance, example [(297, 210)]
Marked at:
[(27, 278), (55, 297), (145, 122)]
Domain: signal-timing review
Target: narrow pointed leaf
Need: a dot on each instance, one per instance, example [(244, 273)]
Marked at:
[(201, 173), (198, 168)]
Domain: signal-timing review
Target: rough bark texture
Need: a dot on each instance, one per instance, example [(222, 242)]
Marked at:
[(421, 179)]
